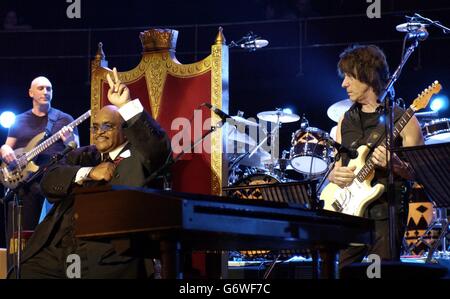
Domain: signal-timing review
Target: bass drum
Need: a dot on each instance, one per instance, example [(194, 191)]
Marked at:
[(437, 131), (247, 187)]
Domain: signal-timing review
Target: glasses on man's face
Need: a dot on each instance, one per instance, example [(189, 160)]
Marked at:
[(103, 127)]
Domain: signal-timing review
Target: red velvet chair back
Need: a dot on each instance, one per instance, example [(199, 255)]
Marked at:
[(171, 92)]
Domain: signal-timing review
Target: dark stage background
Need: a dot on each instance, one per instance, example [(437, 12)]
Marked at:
[(297, 69)]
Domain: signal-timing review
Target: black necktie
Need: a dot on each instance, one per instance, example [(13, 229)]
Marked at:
[(106, 158)]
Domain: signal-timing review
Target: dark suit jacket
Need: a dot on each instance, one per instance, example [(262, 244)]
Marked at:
[(149, 147)]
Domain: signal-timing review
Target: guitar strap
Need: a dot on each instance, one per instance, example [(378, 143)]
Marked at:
[(53, 115), (378, 134)]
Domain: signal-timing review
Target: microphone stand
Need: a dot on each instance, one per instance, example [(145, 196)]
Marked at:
[(446, 30), (190, 147), (389, 125), (15, 193), (325, 176)]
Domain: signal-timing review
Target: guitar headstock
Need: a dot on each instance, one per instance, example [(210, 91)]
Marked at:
[(422, 100)]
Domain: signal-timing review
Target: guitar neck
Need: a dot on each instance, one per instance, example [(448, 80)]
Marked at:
[(369, 166), (54, 138)]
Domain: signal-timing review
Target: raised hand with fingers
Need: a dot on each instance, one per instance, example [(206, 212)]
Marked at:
[(118, 93)]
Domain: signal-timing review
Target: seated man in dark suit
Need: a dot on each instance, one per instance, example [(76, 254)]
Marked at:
[(128, 147)]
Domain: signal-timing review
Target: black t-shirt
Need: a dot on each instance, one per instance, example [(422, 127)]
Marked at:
[(28, 125)]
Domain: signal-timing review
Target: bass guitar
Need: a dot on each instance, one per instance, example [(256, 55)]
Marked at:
[(23, 167)]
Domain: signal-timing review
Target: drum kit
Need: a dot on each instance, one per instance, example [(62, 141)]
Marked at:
[(310, 153), (308, 157)]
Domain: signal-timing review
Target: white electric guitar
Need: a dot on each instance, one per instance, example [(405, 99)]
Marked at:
[(354, 199), (23, 168)]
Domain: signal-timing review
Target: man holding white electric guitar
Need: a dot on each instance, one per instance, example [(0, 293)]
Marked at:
[(357, 186), (30, 128)]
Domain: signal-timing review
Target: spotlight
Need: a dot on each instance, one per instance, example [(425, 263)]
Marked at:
[(439, 103), (7, 119), (287, 110)]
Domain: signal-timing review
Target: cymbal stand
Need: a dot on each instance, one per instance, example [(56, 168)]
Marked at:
[(273, 136), (441, 222), (253, 151)]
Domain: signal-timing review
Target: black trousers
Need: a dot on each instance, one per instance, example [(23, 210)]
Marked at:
[(51, 263), (378, 211)]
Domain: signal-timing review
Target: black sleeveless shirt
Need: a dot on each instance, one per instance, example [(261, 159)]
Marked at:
[(356, 130), (357, 127)]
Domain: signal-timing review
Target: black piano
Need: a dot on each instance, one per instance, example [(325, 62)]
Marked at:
[(164, 224)]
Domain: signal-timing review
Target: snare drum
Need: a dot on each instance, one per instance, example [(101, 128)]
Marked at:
[(437, 131), (310, 153)]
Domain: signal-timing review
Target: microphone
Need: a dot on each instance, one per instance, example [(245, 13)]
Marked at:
[(421, 35), (352, 153), (415, 30), (70, 147), (223, 116), (252, 45), (410, 27)]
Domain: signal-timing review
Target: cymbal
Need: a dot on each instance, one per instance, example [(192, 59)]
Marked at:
[(241, 120), (338, 109), (258, 159), (236, 135), (278, 117)]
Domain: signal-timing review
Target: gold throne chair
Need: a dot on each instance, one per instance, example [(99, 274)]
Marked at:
[(171, 91)]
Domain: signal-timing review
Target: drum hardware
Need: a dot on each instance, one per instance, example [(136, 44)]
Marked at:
[(269, 161), (425, 117), (428, 240), (255, 153), (437, 131), (278, 117), (441, 223), (427, 114), (283, 164), (304, 123)]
